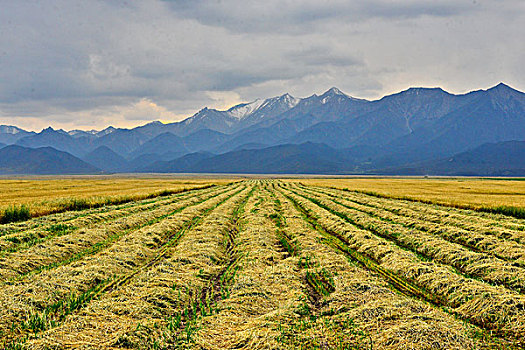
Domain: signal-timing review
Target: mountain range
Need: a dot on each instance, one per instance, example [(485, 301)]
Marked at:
[(417, 131)]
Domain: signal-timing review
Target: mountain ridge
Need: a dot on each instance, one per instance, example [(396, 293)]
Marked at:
[(415, 125), (18, 160), (499, 86), (490, 159)]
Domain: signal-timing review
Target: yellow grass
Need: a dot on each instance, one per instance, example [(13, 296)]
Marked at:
[(261, 264), (443, 286), (455, 192), (388, 320), (44, 195), (157, 291), (82, 240)]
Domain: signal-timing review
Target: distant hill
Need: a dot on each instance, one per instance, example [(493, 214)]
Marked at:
[(204, 139), (491, 159), (184, 164), (485, 116), (41, 161), (122, 141), (143, 161), (307, 158), (57, 139), (165, 143), (251, 145), (104, 158)]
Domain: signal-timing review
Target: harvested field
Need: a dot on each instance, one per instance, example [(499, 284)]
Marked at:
[(23, 198), (264, 264), (485, 195)]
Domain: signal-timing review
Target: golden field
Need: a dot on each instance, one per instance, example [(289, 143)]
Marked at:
[(44, 195), (263, 264), (475, 192)]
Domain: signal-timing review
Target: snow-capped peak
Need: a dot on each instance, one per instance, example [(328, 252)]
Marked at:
[(335, 91), (8, 129), (286, 100), (245, 109), (82, 132), (289, 100), (332, 93), (106, 131)]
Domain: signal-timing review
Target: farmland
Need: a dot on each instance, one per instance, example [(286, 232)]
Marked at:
[(467, 193), (264, 264), (39, 196)]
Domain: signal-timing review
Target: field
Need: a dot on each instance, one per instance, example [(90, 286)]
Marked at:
[(266, 264), (468, 193), (40, 196)]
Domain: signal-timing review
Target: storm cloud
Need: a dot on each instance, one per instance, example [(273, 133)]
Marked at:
[(90, 64)]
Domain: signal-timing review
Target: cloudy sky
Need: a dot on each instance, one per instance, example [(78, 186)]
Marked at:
[(89, 64)]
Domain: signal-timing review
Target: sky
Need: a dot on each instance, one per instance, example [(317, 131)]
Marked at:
[(90, 64)]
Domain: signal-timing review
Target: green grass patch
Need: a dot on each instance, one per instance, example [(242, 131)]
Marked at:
[(15, 213), (516, 212), (321, 281)]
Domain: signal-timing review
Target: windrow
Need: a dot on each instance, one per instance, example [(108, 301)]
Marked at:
[(486, 222), (267, 286), (44, 300), (54, 227), (505, 249), (493, 308), (159, 302), (471, 263), (382, 318), (84, 242)]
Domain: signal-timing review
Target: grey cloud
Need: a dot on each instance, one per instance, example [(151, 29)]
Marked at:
[(410, 9), (89, 61), (323, 55), (299, 16)]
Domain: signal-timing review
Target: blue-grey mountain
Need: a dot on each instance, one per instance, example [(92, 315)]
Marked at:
[(490, 159), (106, 159), (307, 158), (41, 161), (413, 127)]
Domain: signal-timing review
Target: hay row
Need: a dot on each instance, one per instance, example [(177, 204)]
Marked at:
[(27, 238), (71, 216), (492, 213), (496, 228), (65, 250), (75, 211), (508, 250), (39, 296), (386, 319), (492, 308), (153, 307), (473, 264), (45, 221), (467, 219), (318, 323), (472, 194), (267, 286), (84, 242), (22, 210)]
